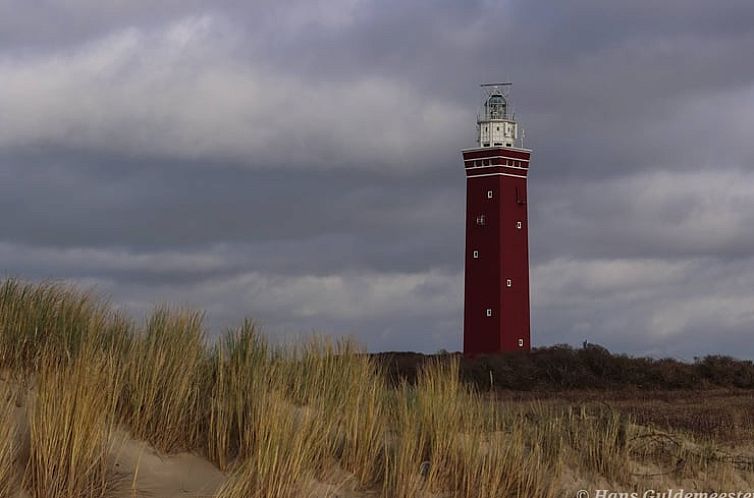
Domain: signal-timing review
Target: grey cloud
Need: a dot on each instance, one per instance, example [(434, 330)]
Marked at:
[(707, 212), (299, 162), (677, 306), (179, 93), (343, 304), (356, 220)]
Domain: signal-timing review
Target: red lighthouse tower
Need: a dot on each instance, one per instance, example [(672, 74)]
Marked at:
[(496, 307)]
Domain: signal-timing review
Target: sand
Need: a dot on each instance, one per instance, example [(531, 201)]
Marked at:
[(141, 471)]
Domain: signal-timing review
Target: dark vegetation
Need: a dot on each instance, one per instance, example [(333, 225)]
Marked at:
[(561, 367)]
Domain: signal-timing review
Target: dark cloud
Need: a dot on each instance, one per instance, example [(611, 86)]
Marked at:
[(300, 162)]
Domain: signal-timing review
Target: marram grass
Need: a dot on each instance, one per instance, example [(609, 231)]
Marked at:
[(164, 371), (8, 445), (71, 422), (276, 419)]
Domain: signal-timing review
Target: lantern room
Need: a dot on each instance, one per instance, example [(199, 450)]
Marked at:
[(496, 126)]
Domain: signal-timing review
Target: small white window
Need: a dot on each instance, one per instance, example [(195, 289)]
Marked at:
[(519, 225), (476, 254), (509, 283), (520, 343), (489, 312), (489, 194), (481, 220)]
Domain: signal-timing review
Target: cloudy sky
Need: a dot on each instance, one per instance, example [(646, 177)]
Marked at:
[(299, 162)]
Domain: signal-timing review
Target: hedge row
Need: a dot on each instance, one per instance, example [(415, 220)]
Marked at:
[(593, 367)]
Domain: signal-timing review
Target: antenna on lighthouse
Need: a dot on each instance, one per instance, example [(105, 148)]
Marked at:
[(484, 85)]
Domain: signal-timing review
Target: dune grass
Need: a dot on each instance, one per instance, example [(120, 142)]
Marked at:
[(8, 446), (240, 374), (451, 439), (164, 369), (71, 422), (53, 322), (278, 418), (283, 456)]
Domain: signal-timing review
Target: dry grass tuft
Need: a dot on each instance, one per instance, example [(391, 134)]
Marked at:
[(339, 382), (164, 372), (241, 374), (405, 467), (364, 424), (599, 441), (71, 423), (53, 322), (8, 449), (282, 457)]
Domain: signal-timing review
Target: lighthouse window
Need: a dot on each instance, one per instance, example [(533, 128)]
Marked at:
[(476, 254), (509, 283), (520, 343), (519, 225), (489, 194), (480, 220), (489, 312)]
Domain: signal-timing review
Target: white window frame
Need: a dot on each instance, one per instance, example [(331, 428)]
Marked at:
[(489, 312), (509, 282), (489, 194), (475, 254)]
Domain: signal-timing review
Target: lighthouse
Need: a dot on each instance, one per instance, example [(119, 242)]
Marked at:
[(496, 294)]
